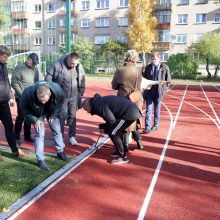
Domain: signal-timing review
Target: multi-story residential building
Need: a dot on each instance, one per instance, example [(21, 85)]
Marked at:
[(41, 24)]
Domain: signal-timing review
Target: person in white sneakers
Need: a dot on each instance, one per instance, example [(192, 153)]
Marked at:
[(69, 74)]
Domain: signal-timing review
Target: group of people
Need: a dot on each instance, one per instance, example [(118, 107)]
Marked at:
[(57, 98)]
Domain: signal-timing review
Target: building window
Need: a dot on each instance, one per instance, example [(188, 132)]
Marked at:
[(184, 2), (51, 41), (122, 39), (181, 38), (123, 22), (19, 24), (51, 7), (102, 22), (163, 36), (182, 19), (101, 39), (85, 23), (62, 37), (37, 24), (164, 2), (37, 8), (123, 3), (73, 5), (85, 5), (202, 1), (200, 18), (197, 37), (8, 40), (217, 17), (18, 6), (163, 16), (164, 57), (62, 21), (51, 24), (102, 4), (37, 41)]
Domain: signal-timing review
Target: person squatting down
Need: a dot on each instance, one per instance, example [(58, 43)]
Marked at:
[(118, 113), (7, 100), (24, 75), (70, 75), (40, 101)]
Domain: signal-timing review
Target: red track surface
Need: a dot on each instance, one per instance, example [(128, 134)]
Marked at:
[(188, 184)]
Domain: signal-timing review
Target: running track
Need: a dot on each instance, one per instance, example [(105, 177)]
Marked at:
[(176, 176)]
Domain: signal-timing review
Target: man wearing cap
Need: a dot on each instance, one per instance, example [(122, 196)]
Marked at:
[(23, 76)]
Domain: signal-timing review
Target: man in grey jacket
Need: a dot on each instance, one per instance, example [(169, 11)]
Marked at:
[(70, 75), (23, 76)]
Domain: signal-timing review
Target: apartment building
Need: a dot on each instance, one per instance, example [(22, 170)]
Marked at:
[(40, 25)]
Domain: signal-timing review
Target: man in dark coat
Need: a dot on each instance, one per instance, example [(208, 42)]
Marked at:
[(118, 113), (7, 100), (160, 72), (24, 75), (70, 75), (40, 101)]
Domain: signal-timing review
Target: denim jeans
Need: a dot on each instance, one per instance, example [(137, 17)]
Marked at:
[(150, 101), (39, 137)]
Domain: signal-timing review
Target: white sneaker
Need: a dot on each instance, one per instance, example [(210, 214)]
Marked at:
[(73, 141)]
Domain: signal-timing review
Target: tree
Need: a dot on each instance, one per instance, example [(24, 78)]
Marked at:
[(142, 25), (208, 51), (4, 20), (114, 50)]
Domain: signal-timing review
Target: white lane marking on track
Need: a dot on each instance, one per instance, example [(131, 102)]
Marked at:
[(217, 88), (157, 171), (213, 120), (178, 112), (22, 204), (213, 110)]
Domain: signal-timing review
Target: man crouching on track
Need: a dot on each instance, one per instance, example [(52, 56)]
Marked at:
[(40, 101), (118, 113)]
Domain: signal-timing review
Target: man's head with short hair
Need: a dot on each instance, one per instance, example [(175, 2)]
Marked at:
[(4, 54), (155, 58), (86, 105), (72, 60), (32, 60), (131, 56), (43, 94)]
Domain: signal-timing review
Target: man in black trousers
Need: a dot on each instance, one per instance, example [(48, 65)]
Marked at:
[(118, 114)]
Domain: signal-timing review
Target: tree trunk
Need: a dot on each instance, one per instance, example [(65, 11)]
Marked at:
[(216, 70), (207, 68)]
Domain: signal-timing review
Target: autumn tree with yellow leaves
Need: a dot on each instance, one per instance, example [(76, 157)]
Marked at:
[(142, 25)]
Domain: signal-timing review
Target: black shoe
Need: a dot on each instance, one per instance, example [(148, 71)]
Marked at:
[(126, 148), (42, 165), (114, 154), (154, 128), (62, 156), (29, 139), (146, 130), (139, 145)]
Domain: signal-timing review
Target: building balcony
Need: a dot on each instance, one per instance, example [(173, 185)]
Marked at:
[(20, 47), (159, 7), (62, 12), (19, 15), (163, 26), (73, 29), (21, 31), (161, 45)]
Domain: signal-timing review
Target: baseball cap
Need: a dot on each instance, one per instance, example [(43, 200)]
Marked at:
[(34, 58)]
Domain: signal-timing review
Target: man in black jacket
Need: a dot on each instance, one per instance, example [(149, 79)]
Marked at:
[(118, 113), (7, 100), (160, 72), (42, 101)]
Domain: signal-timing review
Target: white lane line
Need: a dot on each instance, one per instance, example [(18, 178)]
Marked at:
[(217, 88), (178, 112), (22, 204), (213, 110), (157, 171), (213, 120)]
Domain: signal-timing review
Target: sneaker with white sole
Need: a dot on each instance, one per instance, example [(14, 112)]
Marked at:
[(73, 141), (120, 160)]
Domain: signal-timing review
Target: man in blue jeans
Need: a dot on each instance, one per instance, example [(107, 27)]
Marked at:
[(42, 101), (160, 72)]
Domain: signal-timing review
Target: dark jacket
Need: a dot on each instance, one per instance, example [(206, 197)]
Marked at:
[(111, 108), (60, 74), (5, 88), (22, 77), (163, 74), (33, 109)]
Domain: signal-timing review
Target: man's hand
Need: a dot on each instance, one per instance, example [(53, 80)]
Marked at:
[(37, 125), (50, 120), (11, 102)]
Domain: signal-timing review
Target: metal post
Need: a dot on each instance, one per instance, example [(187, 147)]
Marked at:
[(68, 26)]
